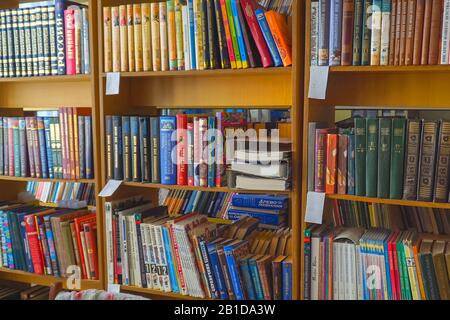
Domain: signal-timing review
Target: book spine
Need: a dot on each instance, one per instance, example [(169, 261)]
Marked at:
[(2, 151), (428, 160), (225, 62), (203, 151), (109, 148), (372, 157), (179, 38), (135, 150), (346, 35), (36, 149), (60, 36), (144, 143), (182, 150), (81, 146), (16, 138), (168, 167), (392, 32), (107, 40), (280, 31), (410, 20), (4, 45), (213, 40), (426, 35), (16, 49), (360, 156), (366, 33), (314, 38), (191, 37), (228, 34), (115, 38), (324, 33), (435, 32), (186, 39), (70, 136), (234, 275), (48, 147), (385, 31), (239, 32), (86, 54), (320, 161), (23, 148), (205, 34), (418, 31), (226, 7), (403, 26), (10, 146), (40, 40), (445, 33), (130, 49), (117, 148), (146, 38), (123, 30), (163, 24), (269, 38), (137, 28), (342, 164), (375, 46), (441, 187), (384, 156), (212, 136), (155, 149), (171, 33), (412, 159), (156, 42), (190, 153), (10, 44), (33, 242), (46, 40), (397, 158), (21, 28), (331, 164), (69, 28), (42, 147), (52, 37)]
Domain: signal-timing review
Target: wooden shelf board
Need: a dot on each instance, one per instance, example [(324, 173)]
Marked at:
[(27, 179), (280, 107), (206, 73), (399, 69), (157, 293), (70, 78), (206, 189), (400, 202), (44, 280)]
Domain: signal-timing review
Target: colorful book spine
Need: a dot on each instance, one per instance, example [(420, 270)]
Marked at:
[(182, 150), (239, 34), (69, 29), (168, 125), (191, 30), (269, 38), (226, 8), (335, 32), (171, 33)]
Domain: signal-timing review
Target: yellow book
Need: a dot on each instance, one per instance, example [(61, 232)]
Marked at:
[(137, 24), (156, 45), (163, 34), (115, 39), (199, 34), (411, 265), (146, 38), (172, 35), (130, 29), (107, 39), (123, 38), (179, 35)]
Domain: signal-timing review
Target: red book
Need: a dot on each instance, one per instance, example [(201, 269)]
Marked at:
[(11, 146), (78, 228), (203, 151), (34, 245), (342, 164), (91, 244), (182, 159), (248, 7), (69, 27), (331, 173), (391, 266), (320, 160), (395, 262), (190, 129)]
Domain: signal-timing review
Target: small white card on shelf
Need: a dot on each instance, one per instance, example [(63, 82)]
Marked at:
[(113, 288), (318, 82), (112, 83), (110, 188), (315, 203)]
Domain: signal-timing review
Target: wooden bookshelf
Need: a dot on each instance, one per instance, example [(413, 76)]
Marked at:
[(370, 87), (144, 93), (47, 93), (156, 294)]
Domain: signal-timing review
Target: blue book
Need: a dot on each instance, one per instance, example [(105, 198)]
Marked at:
[(88, 147), (85, 41), (190, 203), (135, 150), (209, 272), (351, 165), (217, 204), (169, 259), (190, 4), (253, 267), (217, 269), (239, 35), (52, 40), (3, 242), (168, 126), (18, 252), (260, 201), (211, 152), (286, 270), (4, 45), (144, 149), (49, 148), (126, 152), (42, 148), (40, 42), (245, 270), (335, 32), (60, 36), (82, 145), (24, 237), (265, 218), (233, 252), (7, 231), (268, 37)]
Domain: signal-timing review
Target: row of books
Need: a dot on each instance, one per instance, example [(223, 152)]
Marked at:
[(374, 215), (21, 291), (140, 149), (49, 144), (194, 35), (380, 32), (47, 241), (375, 264), (64, 194), (191, 256), (271, 211), (44, 38), (393, 158)]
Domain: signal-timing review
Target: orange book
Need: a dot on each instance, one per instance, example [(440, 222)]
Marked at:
[(279, 29), (79, 228), (331, 167), (91, 245)]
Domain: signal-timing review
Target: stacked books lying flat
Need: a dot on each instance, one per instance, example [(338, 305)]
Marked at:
[(195, 35), (379, 32), (47, 241), (62, 193), (44, 38), (375, 264), (373, 215), (139, 149), (394, 158), (51, 144), (191, 256), (22, 291), (271, 211)]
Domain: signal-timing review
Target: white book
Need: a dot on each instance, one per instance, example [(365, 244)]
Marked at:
[(85, 254), (385, 32), (145, 253), (445, 40), (375, 44), (163, 35), (336, 270), (164, 278), (135, 252), (156, 259), (186, 38), (275, 170), (123, 250), (359, 273), (315, 252), (352, 269)]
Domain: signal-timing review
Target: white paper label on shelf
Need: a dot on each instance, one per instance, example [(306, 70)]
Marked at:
[(113, 288), (318, 82), (110, 188), (315, 202), (112, 83)]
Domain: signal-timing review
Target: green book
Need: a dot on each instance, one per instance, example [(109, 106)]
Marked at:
[(234, 38), (397, 158), (372, 157), (357, 32), (384, 157), (366, 33), (360, 156)]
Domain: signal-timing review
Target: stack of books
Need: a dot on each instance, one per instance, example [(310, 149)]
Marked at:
[(379, 32), (61, 193), (191, 256), (45, 38), (139, 149), (48, 241), (394, 158), (51, 144), (195, 35), (375, 264)]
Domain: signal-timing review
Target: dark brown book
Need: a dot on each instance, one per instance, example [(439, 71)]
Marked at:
[(277, 277), (398, 24), (412, 159), (418, 31), (410, 25), (348, 8), (440, 269), (441, 187), (427, 160), (426, 32), (392, 32), (404, 16), (224, 265), (435, 32), (342, 164), (264, 271)]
